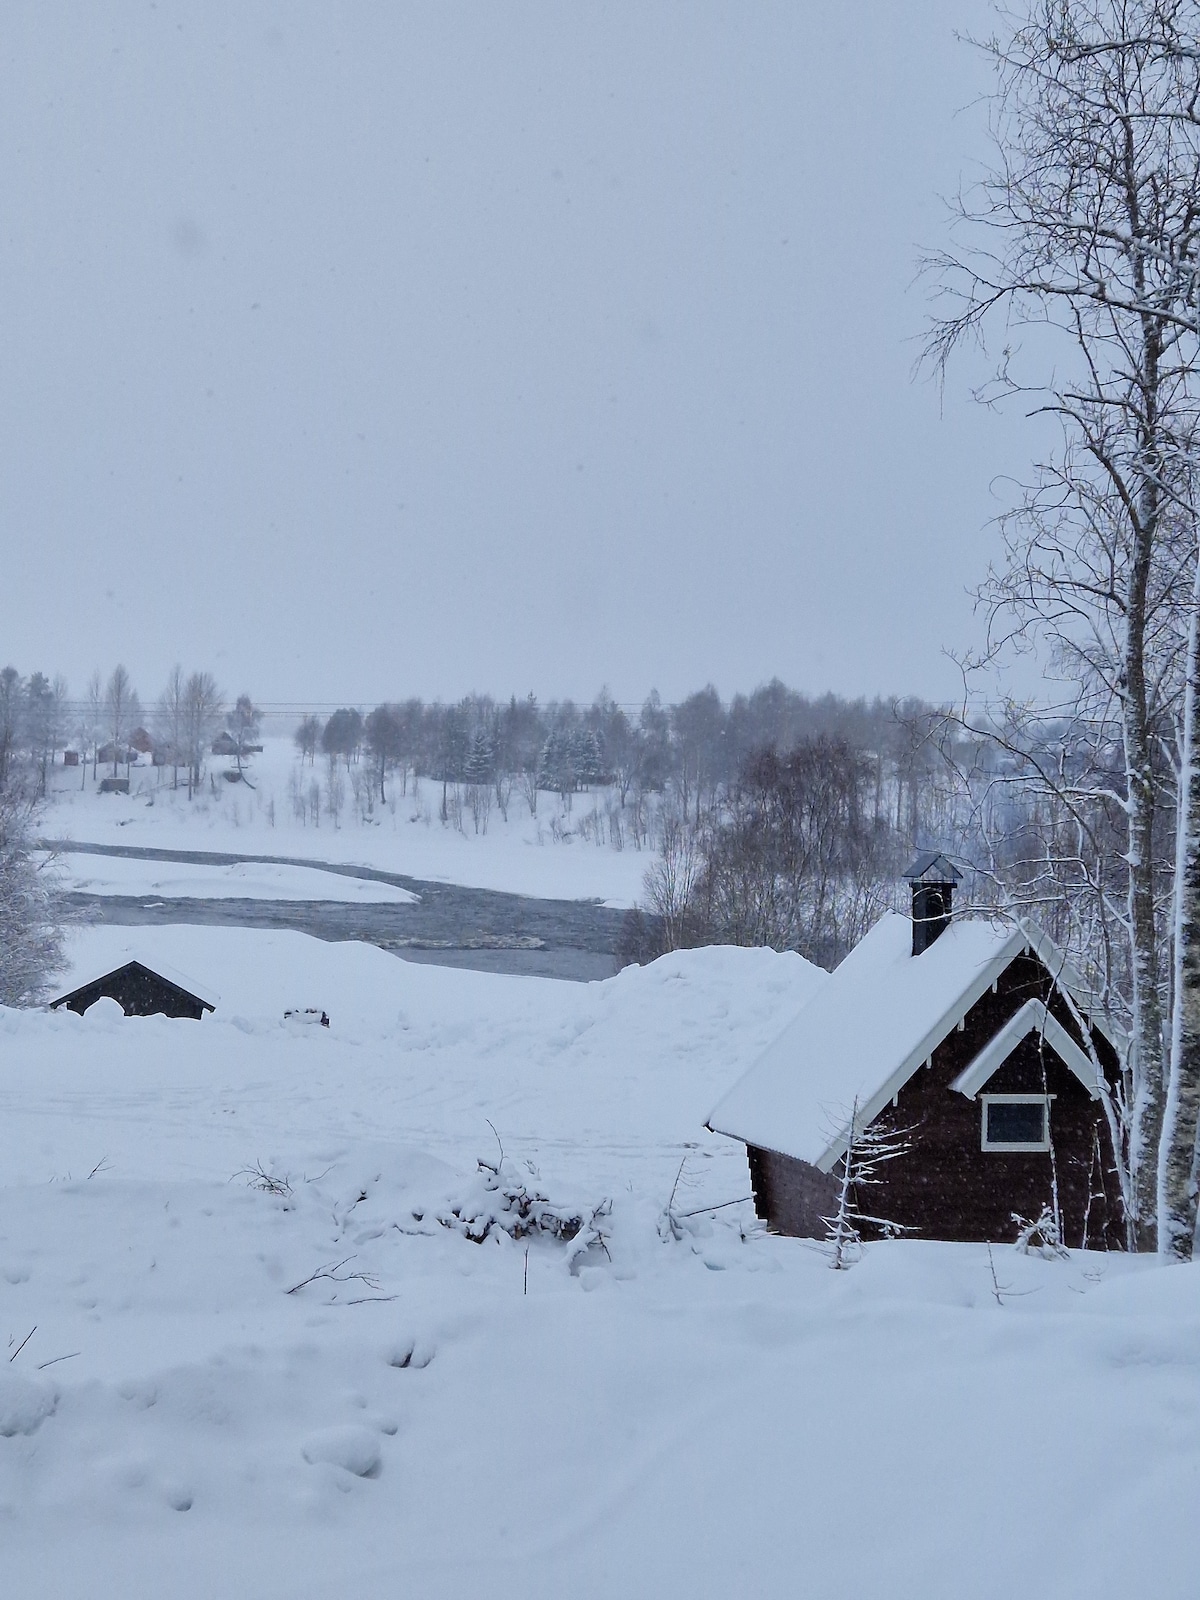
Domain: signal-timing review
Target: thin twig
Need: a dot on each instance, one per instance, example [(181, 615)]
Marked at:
[(499, 1141), (995, 1282), (333, 1272), (740, 1201), (23, 1343), (55, 1359)]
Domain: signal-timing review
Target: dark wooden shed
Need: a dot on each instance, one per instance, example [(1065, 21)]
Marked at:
[(140, 991), (976, 1037)]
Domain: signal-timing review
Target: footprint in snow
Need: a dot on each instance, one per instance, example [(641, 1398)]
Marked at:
[(410, 1353), (24, 1404), (353, 1448)]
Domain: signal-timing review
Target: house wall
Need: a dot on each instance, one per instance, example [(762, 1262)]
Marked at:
[(791, 1196), (947, 1186)]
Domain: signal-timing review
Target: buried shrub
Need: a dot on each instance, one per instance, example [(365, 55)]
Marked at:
[(507, 1197)]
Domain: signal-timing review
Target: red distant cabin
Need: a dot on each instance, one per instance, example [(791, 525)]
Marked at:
[(973, 1034)]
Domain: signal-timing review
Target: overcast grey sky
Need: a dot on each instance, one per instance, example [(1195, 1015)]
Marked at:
[(372, 349)]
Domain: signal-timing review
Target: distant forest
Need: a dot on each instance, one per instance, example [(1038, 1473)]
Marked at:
[(695, 749), (775, 818)]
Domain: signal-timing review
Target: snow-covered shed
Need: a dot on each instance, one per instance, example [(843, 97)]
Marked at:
[(973, 1034), (141, 991)]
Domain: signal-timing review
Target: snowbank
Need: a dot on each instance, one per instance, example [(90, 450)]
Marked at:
[(242, 880)]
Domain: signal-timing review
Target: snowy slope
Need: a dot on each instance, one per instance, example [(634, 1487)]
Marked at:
[(704, 1412)]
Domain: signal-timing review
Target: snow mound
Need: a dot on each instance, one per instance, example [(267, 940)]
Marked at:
[(105, 1010), (352, 1447), (24, 1404)]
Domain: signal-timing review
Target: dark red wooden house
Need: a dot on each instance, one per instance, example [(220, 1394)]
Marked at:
[(972, 1033)]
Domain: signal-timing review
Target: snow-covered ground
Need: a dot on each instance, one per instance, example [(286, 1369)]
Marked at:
[(241, 880), (565, 852), (713, 1414)]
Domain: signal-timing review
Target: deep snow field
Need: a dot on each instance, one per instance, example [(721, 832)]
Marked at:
[(701, 1410), (565, 852)]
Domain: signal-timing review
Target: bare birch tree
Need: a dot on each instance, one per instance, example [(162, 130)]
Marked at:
[(1177, 1196), (120, 709), (244, 722), (1088, 228), (203, 703), (94, 713), (172, 720)]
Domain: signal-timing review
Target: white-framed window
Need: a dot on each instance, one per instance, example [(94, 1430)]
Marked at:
[(1016, 1121)]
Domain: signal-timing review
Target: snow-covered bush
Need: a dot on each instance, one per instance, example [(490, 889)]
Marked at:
[(508, 1197), (1043, 1235)]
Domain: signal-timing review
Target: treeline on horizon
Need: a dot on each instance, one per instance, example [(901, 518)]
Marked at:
[(697, 744), (697, 747)]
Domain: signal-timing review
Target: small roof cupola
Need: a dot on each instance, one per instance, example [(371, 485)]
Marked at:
[(932, 878)]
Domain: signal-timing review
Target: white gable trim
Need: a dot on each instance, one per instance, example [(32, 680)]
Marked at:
[(1072, 985), (1031, 1018)]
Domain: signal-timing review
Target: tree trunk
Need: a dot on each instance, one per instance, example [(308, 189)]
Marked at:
[(1147, 1041), (1181, 1119), (1146, 1131)]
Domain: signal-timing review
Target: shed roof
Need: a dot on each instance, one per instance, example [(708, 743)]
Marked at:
[(865, 1032), (207, 996)]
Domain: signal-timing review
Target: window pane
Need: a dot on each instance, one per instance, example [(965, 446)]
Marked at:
[(1016, 1122)]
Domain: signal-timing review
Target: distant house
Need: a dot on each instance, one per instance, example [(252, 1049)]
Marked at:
[(140, 991), (226, 745), (141, 741), (973, 1034), (111, 754), (70, 758)]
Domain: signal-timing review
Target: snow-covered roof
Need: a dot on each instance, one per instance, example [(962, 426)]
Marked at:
[(864, 1033), (200, 991)]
